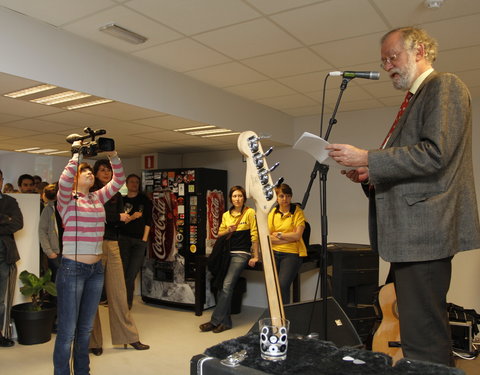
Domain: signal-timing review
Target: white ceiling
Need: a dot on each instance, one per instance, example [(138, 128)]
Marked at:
[(274, 52)]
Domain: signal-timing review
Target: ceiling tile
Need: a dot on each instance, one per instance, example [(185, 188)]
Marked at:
[(413, 12), (258, 90), (24, 108), (191, 17), (457, 59), (303, 111), (274, 6), (307, 82), (288, 101), (342, 53), (8, 118), (225, 75), (287, 63), (463, 26), (46, 127), (182, 55), (120, 111), (331, 20), (57, 12), (253, 38), (170, 122), (155, 33)]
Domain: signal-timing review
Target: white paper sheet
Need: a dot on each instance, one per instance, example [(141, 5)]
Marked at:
[(315, 146)]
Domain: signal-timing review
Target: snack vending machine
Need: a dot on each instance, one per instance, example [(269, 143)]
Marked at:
[(187, 211)]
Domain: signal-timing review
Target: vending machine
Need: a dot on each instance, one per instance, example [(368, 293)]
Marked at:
[(188, 204)]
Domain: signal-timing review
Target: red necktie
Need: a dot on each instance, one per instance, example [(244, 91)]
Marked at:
[(399, 114)]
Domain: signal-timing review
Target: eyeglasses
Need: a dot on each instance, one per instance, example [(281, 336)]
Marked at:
[(389, 60)]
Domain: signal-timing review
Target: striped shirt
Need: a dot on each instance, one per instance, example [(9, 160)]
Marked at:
[(84, 218)]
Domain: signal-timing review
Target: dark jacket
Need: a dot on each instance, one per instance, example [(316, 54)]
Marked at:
[(11, 221)]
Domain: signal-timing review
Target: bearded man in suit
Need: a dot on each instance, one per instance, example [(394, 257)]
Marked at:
[(422, 200)]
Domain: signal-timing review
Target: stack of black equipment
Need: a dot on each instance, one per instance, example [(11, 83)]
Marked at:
[(353, 272)]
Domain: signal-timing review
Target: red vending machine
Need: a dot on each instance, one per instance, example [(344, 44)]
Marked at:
[(187, 211)]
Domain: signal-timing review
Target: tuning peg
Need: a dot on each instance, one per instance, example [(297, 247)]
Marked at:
[(253, 142), (268, 152), (274, 167), (258, 158), (279, 182), (263, 176), (268, 192)]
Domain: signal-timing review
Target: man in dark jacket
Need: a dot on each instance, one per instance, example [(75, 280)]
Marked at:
[(11, 220)]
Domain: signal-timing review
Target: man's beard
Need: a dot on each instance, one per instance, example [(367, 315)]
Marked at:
[(406, 75)]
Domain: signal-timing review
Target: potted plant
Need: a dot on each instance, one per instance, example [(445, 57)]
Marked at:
[(34, 320)]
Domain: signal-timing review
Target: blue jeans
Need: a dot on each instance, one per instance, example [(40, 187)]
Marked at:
[(288, 266), (221, 314), (79, 287)]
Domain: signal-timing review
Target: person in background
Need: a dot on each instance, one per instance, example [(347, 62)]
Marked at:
[(50, 229), (420, 184), (80, 276), (11, 221), (26, 184), (286, 223), (37, 180), (239, 222), (122, 326), (8, 188), (134, 235)]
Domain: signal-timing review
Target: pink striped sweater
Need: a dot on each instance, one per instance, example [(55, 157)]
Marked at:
[(84, 218)]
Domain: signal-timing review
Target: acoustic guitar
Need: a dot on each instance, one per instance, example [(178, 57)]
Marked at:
[(259, 187), (387, 337)]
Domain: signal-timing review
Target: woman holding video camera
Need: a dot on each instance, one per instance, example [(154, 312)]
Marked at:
[(80, 276)]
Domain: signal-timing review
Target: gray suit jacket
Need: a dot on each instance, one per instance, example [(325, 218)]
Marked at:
[(425, 201)]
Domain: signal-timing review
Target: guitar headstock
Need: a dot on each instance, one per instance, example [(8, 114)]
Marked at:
[(258, 182)]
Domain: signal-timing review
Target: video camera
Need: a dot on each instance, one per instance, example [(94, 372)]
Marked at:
[(92, 147)]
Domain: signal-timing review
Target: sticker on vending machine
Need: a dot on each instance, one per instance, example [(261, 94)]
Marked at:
[(215, 209)]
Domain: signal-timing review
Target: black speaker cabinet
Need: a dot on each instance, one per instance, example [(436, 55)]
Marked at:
[(353, 271), (307, 317)]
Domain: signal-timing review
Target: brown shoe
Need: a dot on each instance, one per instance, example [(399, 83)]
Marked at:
[(205, 327), (221, 328)]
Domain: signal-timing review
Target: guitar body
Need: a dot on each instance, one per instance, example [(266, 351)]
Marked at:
[(387, 336), (259, 187)]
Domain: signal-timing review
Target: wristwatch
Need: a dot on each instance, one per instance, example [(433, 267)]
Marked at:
[(279, 235)]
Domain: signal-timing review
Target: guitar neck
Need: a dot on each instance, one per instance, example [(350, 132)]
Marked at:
[(259, 187), (272, 285)]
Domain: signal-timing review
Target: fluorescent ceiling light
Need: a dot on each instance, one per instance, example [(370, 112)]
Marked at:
[(88, 104), (56, 152), (30, 91), (195, 128), (209, 131), (62, 97), (220, 135), (122, 33), (43, 151), (28, 149)]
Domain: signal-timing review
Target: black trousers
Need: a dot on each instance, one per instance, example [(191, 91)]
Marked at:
[(421, 289)]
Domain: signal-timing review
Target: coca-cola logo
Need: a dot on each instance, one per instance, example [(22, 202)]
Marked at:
[(160, 219), (215, 207)]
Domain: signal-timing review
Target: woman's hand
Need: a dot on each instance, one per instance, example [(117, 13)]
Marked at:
[(126, 218), (252, 261)]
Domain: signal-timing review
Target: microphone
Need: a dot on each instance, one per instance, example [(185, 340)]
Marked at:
[(347, 74), (76, 137), (92, 133)]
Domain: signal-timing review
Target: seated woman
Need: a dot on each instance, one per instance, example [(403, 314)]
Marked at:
[(239, 223), (286, 224)]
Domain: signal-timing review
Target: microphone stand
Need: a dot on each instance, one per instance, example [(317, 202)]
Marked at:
[(323, 169)]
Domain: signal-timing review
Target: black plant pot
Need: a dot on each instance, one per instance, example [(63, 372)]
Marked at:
[(33, 327)]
